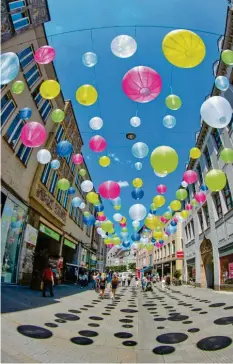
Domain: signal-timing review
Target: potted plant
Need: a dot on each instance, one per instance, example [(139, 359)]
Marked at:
[(177, 274)]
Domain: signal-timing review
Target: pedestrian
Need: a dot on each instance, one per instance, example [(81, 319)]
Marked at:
[(76, 276), (144, 282), (136, 282), (85, 280), (168, 280), (163, 282), (81, 280), (102, 284), (129, 280), (114, 285), (123, 281), (48, 280), (93, 277)]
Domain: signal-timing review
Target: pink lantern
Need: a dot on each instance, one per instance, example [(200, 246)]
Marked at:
[(175, 219), (142, 84), (161, 189), (189, 207), (33, 134), (190, 177), (158, 245), (110, 245), (44, 55), (97, 143), (123, 224), (200, 197), (162, 219), (77, 159), (109, 190), (101, 218)]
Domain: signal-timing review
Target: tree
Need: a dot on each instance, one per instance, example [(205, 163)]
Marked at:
[(132, 267)]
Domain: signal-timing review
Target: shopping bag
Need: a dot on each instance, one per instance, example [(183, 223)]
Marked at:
[(41, 285)]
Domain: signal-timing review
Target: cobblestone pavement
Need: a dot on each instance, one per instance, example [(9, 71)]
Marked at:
[(152, 327)]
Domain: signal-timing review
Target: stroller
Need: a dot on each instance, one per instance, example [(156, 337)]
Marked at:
[(148, 287)]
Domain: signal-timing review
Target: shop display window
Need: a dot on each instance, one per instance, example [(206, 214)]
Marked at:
[(226, 269)]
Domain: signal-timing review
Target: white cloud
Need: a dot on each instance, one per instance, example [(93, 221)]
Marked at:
[(116, 159), (123, 184)]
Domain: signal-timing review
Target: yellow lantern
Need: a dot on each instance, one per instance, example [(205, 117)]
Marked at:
[(137, 182), (50, 89), (107, 226), (195, 153), (117, 207), (175, 205), (101, 213), (153, 222), (92, 197), (184, 214), (86, 95), (104, 161), (157, 235), (159, 201)]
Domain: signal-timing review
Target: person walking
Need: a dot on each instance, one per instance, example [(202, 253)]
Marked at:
[(114, 285), (93, 280), (123, 281), (48, 281), (129, 280), (102, 284), (81, 280)]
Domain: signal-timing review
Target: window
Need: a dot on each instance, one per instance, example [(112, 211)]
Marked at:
[(7, 108), (59, 134), (169, 249), (228, 196), (200, 174), (20, 20), (32, 75), (192, 226), (207, 157), (72, 167), (164, 251), (53, 183), (36, 95), (173, 247), (45, 174), (65, 200), (26, 57), (88, 232), (206, 213), (45, 110), (189, 229), (200, 217), (59, 196), (217, 138), (68, 158), (16, 4), (80, 219), (150, 260), (13, 133), (24, 154), (217, 202), (230, 125)]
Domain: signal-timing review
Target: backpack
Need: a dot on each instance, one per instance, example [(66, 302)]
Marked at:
[(114, 281)]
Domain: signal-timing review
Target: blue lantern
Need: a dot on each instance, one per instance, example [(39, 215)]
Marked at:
[(55, 164), (170, 230), (71, 191), (137, 193), (222, 83), (89, 221), (173, 223), (153, 240), (25, 113), (126, 244), (161, 242), (76, 201), (169, 121), (135, 237), (204, 188), (64, 148), (9, 67), (153, 212), (99, 208)]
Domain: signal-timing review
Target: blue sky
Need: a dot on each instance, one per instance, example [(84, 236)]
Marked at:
[(152, 19)]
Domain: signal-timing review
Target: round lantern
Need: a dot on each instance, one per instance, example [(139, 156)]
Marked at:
[(55, 164), (82, 172), (140, 150), (169, 121), (107, 241), (86, 95), (184, 214), (161, 189), (25, 113), (33, 134), (175, 205), (137, 194), (58, 115), (97, 143), (135, 121), (190, 177), (135, 237), (137, 182), (173, 102), (123, 46), (161, 175), (227, 57), (215, 180), (159, 201), (44, 55), (226, 155), (142, 84), (216, 111), (137, 212), (107, 226), (222, 83), (164, 159), (9, 67), (126, 244), (64, 148), (157, 235), (96, 123), (87, 186), (63, 184), (117, 217), (17, 87), (82, 206), (77, 158), (89, 59), (184, 184), (195, 153), (135, 224), (200, 197), (153, 222), (99, 208), (109, 190), (167, 215), (183, 48), (76, 201), (104, 161), (194, 202), (173, 223), (92, 197), (116, 240), (50, 89), (189, 207), (71, 191), (44, 156), (138, 166), (181, 194)]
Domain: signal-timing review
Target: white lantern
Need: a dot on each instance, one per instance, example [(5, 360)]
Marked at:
[(117, 217), (76, 202), (123, 46), (44, 156), (96, 123), (135, 224), (87, 186), (216, 112), (82, 206), (140, 150), (161, 175), (184, 184), (135, 121), (89, 59), (137, 212), (138, 166)]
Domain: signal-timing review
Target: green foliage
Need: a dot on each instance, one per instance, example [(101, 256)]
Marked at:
[(132, 267), (117, 268), (177, 274)]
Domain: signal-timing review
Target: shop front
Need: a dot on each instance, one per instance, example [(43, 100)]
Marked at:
[(159, 269), (191, 270), (166, 268), (226, 266), (70, 257)]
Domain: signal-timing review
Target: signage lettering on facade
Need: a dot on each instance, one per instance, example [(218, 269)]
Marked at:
[(44, 229), (69, 244), (230, 269), (30, 235), (180, 254)]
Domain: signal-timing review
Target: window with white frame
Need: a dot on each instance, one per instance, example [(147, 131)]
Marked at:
[(26, 56), (20, 20), (45, 110), (45, 174), (32, 75), (52, 187), (24, 154), (8, 106), (13, 132)]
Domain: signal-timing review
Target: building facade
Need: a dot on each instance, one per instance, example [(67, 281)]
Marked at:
[(208, 232)]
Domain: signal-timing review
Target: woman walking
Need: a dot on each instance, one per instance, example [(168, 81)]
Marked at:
[(114, 285), (102, 285)]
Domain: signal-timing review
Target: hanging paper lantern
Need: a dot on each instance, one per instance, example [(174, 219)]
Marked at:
[(86, 95), (159, 201), (173, 102), (164, 159), (175, 205), (142, 84), (50, 89), (167, 215), (200, 197), (107, 226), (216, 111), (55, 164), (87, 186), (44, 55), (152, 222), (173, 223), (157, 235), (135, 121), (184, 214), (161, 175), (17, 87), (183, 48), (126, 244), (89, 221), (194, 202), (137, 182), (138, 166), (82, 206), (82, 172), (137, 194), (71, 191), (25, 113), (58, 115), (92, 197), (97, 143), (64, 148), (63, 184), (99, 208), (136, 224), (161, 189), (215, 180), (77, 158), (184, 184), (104, 161), (43, 156), (226, 155), (101, 217), (189, 207), (9, 67), (33, 134), (190, 177), (137, 212), (135, 237), (76, 201), (140, 150), (227, 57), (169, 121), (89, 59), (96, 123), (117, 217), (195, 153), (123, 46), (116, 240), (170, 230), (87, 214), (109, 190), (222, 83), (181, 194)]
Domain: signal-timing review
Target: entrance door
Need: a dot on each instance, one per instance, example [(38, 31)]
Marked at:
[(207, 265)]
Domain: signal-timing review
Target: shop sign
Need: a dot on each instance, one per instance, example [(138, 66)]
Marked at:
[(69, 244), (230, 268), (179, 254), (30, 235), (159, 265), (167, 265), (100, 262), (44, 229)]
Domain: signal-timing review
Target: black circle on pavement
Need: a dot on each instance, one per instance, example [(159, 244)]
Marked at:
[(224, 321), (67, 316), (203, 313), (93, 324), (172, 338), (129, 310), (88, 333), (178, 318), (96, 318), (88, 306), (228, 308), (84, 309), (127, 326), (193, 330), (149, 304), (196, 309), (80, 340), (220, 304), (123, 335), (60, 321), (51, 324), (129, 316), (74, 311), (106, 313), (160, 319), (129, 343), (187, 322), (35, 332), (126, 321), (160, 327), (213, 343), (163, 350), (96, 301)]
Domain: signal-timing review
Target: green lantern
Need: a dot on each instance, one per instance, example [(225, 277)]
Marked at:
[(181, 194), (226, 155), (86, 214), (17, 87), (58, 115), (227, 57), (194, 202), (63, 184), (82, 172), (215, 180), (167, 215), (173, 102)]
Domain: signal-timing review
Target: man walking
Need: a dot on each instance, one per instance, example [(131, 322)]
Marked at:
[(48, 281)]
